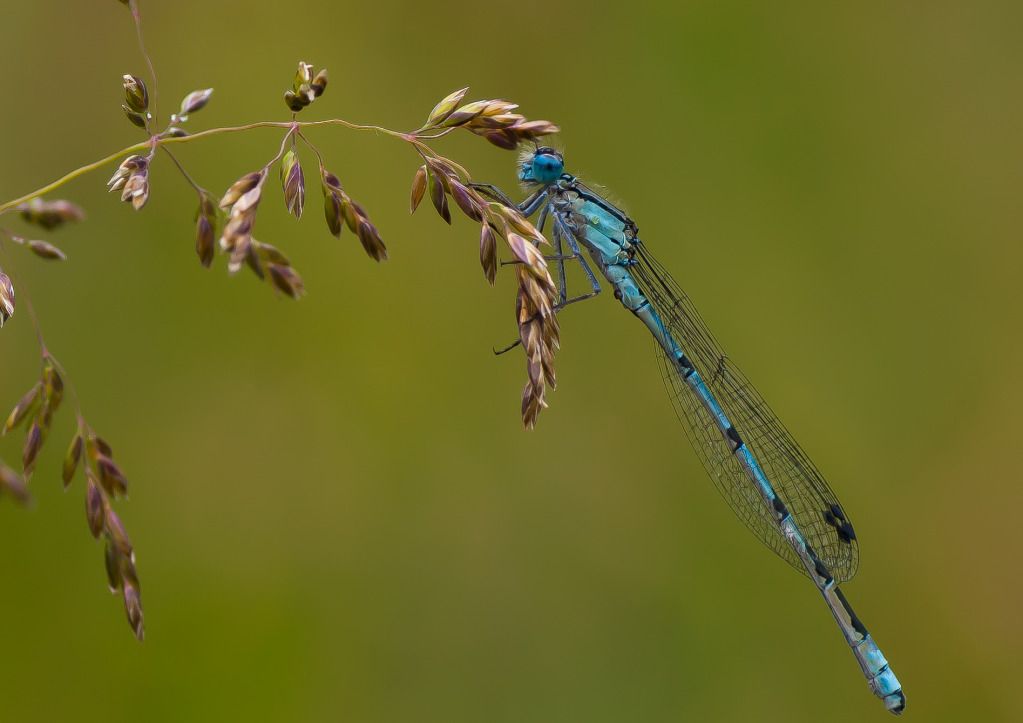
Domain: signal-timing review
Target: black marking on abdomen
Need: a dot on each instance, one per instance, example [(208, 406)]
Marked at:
[(733, 435), (686, 366), (856, 623), (822, 570), (780, 508), (818, 566)]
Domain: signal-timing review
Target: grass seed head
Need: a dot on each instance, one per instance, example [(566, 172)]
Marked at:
[(50, 214), (72, 458), (193, 102), (293, 183), (136, 96), (13, 484), (46, 250), (6, 298), (418, 188)]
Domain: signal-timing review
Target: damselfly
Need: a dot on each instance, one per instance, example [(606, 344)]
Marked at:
[(768, 480)]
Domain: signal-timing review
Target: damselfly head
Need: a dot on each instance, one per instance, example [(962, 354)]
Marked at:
[(543, 165)]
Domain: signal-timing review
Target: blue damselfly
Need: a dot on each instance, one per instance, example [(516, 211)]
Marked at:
[(767, 479)]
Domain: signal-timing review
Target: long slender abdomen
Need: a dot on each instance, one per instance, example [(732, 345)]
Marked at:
[(875, 668)]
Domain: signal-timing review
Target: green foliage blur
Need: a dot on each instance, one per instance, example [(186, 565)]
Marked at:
[(337, 514)]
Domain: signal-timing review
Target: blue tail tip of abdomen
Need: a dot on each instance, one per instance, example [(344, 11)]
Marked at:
[(895, 702)]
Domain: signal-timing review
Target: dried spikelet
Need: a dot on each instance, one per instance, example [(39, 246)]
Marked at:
[(194, 101), (444, 109), (205, 229), (104, 479), (97, 445), (539, 331), (132, 179), (306, 87), (293, 183), (514, 219), (118, 535), (332, 201), (39, 403), (286, 280), (267, 254), (526, 252), (112, 563), (72, 458), (13, 484), (369, 237), (46, 250), (240, 187), (137, 119), (538, 334), (438, 195), (50, 214), (488, 253), (110, 476), (467, 200), (465, 114), (33, 443), (243, 199), (25, 406), (53, 391), (491, 119), (338, 206), (419, 182), (93, 505), (133, 607), (319, 83), (135, 94), (6, 298)]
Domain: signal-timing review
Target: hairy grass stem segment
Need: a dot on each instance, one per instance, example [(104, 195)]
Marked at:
[(191, 181), (137, 20), (206, 217), (161, 141)]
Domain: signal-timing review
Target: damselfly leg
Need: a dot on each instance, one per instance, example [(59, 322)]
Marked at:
[(560, 236)]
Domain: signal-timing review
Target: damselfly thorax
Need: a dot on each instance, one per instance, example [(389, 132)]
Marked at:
[(604, 229)]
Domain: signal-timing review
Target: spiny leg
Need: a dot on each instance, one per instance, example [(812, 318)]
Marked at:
[(529, 205), (559, 250), (564, 302), (559, 231), (492, 191)]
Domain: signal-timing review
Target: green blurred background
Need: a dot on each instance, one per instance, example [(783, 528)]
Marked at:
[(337, 514)]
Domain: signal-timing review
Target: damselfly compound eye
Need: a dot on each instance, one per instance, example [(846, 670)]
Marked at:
[(547, 165)]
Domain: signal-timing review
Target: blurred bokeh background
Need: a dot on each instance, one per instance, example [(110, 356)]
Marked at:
[(336, 511)]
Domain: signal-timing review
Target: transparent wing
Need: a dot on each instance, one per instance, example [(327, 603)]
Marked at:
[(795, 478)]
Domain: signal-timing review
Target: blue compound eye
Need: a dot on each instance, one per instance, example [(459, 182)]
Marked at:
[(547, 167)]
